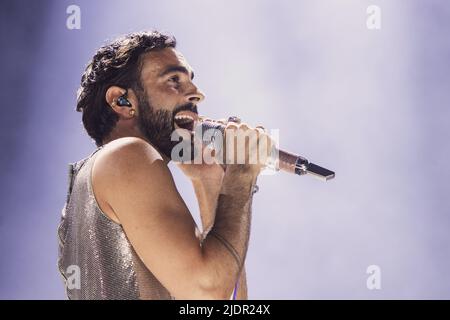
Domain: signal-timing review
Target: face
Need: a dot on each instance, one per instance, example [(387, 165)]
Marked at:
[(168, 98)]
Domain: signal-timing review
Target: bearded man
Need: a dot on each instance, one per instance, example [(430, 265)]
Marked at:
[(125, 230)]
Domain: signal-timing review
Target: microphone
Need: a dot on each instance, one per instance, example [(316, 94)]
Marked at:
[(286, 161)]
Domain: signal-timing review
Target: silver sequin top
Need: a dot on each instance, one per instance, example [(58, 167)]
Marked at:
[(95, 257)]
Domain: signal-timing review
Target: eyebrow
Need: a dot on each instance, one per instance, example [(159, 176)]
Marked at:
[(171, 69)]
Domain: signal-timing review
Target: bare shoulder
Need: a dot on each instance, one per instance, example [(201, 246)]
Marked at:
[(128, 157), (128, 164), (127, 149)]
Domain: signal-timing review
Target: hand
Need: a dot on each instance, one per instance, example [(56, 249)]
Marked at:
[(253, 154), (252, 147), (205, 172)]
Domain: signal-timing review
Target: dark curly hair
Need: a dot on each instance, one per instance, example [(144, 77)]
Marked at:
[(115, 64)]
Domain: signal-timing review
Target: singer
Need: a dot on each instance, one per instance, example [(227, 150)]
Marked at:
[(125, 231)]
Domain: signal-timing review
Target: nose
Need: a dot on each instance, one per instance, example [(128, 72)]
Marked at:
[(195, 95)]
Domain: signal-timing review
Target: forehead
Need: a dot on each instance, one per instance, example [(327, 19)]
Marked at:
[(155, 63)]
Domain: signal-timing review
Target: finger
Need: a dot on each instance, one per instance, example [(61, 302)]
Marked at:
[(265, 147), (232, 126), (204, 118), (261, 127), (261, 130), (243, 126), (234, 119)]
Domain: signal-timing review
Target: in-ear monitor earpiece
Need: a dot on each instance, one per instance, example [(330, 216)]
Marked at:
[(122, 101)]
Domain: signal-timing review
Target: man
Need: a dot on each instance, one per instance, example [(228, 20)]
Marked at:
[(125, 231)]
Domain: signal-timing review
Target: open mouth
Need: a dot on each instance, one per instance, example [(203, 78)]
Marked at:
[(185, 120)]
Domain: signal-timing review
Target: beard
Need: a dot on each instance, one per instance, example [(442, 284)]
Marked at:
[(157, 125)]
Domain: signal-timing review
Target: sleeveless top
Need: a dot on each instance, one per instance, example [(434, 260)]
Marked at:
[(95, 258)]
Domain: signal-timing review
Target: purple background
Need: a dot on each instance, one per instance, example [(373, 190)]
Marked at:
[(371, 105)]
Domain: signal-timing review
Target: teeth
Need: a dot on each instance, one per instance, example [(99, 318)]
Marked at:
[(182, 117)]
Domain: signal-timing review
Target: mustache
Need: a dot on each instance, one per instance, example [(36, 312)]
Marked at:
[(185, 107)]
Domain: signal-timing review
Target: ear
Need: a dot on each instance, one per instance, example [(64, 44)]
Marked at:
[(113, 93)]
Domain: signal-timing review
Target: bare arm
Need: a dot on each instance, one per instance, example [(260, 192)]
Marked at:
[(137, 185), (207, 190), (242, 293)]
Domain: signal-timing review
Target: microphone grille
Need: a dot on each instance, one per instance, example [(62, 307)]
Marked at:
[(210, 137), (207, 125)]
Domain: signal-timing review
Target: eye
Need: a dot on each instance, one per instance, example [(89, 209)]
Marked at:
[(175, 79)]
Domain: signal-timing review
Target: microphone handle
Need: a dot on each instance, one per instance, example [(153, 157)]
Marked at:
[(283, 160)]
